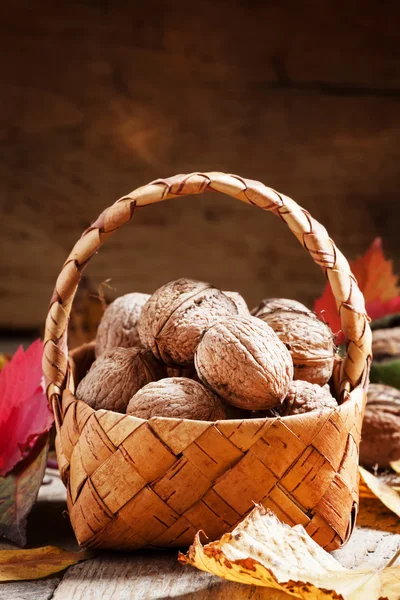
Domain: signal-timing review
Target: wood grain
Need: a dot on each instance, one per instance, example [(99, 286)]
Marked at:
[(96, 101)]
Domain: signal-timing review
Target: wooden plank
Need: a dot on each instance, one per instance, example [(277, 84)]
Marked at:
[(151, 577), (33, 590)]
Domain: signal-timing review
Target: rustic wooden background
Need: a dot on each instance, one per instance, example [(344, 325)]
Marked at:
[(98, 97)]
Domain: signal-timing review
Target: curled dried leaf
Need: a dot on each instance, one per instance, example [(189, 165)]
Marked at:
[(379, 489), (262, 551)]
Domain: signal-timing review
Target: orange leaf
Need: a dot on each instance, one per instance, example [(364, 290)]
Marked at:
[(19, 565), (375, 274), (377, 282)]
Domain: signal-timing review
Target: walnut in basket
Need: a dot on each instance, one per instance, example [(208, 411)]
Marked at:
[(380, 436), (309, 340), (177, 314), (269, 304), (176, 397), (304, 397), (243, 361), (118, 326), (116, 376), (240, 302)]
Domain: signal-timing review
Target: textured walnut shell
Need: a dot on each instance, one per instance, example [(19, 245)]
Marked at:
[(118, 326), (177, 314), (309, 340), (178, 398), (243, 361), (380, 437), (240, 302), (116, 376), (386, 344), (304, 397), (270, 304)]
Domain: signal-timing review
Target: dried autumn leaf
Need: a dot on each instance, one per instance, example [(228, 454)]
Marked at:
[(18, 565), (24, 411), (386, 494), (19, 490), (263, 551), (374, 274), (376, 280), (395, 466)]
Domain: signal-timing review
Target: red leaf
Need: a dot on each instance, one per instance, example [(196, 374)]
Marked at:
[(377, 282), (377, 309), (24, 410)]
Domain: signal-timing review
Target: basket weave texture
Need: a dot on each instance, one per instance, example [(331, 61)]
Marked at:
[(133, 483)]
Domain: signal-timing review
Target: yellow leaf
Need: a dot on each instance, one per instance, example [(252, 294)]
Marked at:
[(387, 495), (395, 466), (16, 565), (265, 552)]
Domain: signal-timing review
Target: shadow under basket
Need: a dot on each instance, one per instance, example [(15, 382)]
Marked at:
[(135, 483)]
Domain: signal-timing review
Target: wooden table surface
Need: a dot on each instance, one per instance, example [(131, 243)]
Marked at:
[(152, 575)]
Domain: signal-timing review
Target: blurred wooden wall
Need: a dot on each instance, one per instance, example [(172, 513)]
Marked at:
[(98, 97)]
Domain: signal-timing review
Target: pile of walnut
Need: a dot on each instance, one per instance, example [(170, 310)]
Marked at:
[(192, 351)]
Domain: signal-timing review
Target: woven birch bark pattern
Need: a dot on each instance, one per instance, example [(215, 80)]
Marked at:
[(134, 483)]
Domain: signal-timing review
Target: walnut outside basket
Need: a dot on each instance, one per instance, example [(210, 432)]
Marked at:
[(155, 483)]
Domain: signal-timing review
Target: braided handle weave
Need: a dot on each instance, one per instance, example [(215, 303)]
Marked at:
[(311, 234)]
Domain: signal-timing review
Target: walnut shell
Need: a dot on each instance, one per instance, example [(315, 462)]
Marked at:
[(243, 361), (240, 302), (116, 376), (304, 397), (118, 326), (177, 314), (309, 340), (178, 398), (269, 304), (380, 436), (386, 344)]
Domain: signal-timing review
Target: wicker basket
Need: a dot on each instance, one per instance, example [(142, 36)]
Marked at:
[(134, 483)]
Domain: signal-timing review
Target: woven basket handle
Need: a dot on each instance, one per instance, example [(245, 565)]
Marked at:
[(312, 235)]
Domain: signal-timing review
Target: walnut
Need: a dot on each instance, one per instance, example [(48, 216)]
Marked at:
[(304, 397), (178, 398), (269, 304), (386, 344), (380, 437), (118, 326), (242, 360), (116, 376), (309, 340), (240, 302), (177, 314)]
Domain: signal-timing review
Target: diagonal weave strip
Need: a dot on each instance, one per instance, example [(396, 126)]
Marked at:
[(134, 483)]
